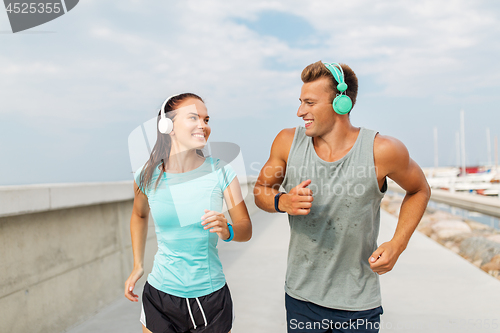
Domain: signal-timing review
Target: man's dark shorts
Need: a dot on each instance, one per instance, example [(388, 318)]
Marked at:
[(309, 317)]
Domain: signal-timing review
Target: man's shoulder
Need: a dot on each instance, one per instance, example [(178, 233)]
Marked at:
[(387, 144), (284, 138), (283, 143), (286, 134), (388, 150)]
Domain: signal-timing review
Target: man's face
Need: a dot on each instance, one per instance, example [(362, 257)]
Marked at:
[(316, 107)]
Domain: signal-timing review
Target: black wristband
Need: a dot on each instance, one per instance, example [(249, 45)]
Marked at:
[(277, 200)]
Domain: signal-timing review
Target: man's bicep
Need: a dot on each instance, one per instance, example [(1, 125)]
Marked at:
[(407, 173), (273, 172)]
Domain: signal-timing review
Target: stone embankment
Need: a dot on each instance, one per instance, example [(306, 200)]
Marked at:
[(474, 241)]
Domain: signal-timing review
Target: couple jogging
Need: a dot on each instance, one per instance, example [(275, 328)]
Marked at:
[(334, 176)]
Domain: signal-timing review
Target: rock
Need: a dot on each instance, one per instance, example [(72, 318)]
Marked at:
[(494, 238), (440, 215), (393, 208), (493, 265), (426, 230), (479, 249), (451, 224), (450, 228), (477, 225)]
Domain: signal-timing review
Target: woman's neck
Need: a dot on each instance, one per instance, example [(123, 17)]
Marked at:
[(183, 161)]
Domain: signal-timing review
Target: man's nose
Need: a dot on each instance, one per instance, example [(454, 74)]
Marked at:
[(300, 111)]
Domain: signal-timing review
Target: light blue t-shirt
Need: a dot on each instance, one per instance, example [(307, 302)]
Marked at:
[(187, 263)]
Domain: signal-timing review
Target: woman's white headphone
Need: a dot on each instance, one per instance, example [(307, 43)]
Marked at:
[(165, 125)]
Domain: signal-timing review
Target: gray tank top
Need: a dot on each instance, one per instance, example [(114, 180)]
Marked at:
[(330, 247)]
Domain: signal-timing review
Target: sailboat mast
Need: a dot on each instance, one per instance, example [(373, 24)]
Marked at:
[(488, 145), (462, 129), (496, 153), (435, 147)]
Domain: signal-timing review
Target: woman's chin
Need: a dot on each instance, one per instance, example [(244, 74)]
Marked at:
[(200, 145)]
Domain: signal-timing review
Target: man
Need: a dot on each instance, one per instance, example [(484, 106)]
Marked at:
[(335, 176)]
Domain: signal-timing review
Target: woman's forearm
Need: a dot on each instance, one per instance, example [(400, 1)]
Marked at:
[(138, 232), (242, 230)]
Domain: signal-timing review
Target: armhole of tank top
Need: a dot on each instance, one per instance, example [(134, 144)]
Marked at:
[(373, 167), (292, 147)]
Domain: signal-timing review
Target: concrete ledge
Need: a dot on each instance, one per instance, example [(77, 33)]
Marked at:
[(472, 202), (67, 252), (20, 200)]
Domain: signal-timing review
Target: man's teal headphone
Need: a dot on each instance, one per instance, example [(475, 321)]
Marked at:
[(342, 103)]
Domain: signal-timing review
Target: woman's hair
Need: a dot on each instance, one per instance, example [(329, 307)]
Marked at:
[(161, 150)]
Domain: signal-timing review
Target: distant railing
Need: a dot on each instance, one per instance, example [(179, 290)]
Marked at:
[(471, 202)]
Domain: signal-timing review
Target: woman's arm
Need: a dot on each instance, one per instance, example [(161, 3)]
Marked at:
[(242, 226), (138, 232)]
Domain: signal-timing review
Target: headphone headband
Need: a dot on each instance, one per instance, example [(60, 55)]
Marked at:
[(162, 110), (165, 125)]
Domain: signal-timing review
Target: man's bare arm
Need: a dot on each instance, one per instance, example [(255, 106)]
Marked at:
[(298, 200), (272, 174), (393, 160)]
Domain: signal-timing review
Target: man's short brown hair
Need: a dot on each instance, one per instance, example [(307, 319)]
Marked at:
[(318, 70)]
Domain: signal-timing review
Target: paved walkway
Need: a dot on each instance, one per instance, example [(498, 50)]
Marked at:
[(431, 289)]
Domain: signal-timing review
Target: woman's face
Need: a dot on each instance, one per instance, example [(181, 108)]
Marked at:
[(191, 129)]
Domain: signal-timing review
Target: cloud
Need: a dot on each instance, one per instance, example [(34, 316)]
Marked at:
[(111, 64)]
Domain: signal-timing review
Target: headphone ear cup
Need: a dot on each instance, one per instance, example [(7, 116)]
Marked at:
[(165, 125), (342, 104)]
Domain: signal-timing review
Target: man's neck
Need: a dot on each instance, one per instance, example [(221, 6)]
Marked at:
[(335, 144)]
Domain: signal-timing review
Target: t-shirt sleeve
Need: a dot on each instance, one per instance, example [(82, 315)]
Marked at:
[(226, 174)]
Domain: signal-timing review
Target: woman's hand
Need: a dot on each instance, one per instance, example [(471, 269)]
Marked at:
[(130, 284), (216, 222)]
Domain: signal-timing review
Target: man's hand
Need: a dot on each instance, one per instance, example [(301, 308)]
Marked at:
[(384, 258), (298, 201)]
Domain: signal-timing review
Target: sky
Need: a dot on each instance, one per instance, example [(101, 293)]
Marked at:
[(73, 89)]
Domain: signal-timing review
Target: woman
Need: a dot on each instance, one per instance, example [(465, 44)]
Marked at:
[(186, 290)]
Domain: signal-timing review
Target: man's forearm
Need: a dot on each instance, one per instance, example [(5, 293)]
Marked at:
[(411, 212), (264, 197)]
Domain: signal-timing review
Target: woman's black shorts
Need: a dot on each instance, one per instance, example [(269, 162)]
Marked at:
[(165, 313)]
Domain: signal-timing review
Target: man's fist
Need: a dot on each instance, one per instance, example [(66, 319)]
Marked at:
[(298, 201)]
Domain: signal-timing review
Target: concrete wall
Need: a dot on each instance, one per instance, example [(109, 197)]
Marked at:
[(66, 252), (66, 259)]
